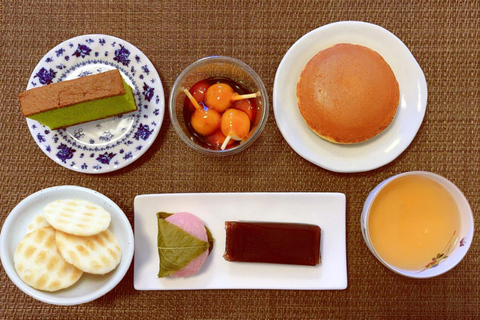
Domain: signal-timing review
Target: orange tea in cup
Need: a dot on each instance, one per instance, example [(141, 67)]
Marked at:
[(413, 222)]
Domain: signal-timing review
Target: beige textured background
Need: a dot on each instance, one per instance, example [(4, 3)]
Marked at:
[(442, 35)]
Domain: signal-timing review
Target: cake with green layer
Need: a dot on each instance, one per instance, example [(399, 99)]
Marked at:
[(72, 102)]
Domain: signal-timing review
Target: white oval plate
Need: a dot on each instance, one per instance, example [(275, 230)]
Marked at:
[(89, 287), (108, 144), (375, 152)]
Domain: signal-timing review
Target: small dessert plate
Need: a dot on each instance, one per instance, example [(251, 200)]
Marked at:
[(370, 154), (108, 144)]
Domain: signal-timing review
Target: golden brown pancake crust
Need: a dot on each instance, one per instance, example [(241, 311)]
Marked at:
[(347, 93)]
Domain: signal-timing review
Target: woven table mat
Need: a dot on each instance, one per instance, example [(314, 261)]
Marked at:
[(443, 37)]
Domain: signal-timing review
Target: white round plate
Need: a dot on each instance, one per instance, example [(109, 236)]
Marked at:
[(370, 154), (89, 287), (109, 144)]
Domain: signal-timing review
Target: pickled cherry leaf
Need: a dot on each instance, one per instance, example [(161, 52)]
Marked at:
[(176, 247), (163, 215), (210, 240)]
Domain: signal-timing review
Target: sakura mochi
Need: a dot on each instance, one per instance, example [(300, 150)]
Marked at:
[(184, 244)]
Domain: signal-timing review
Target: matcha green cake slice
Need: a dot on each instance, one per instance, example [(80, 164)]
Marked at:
[(71, 102)]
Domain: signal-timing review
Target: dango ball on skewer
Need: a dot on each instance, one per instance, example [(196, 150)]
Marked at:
[(205, 121), (219, 96), (198, 92), (235, 125), (246, 105), (217, 139)]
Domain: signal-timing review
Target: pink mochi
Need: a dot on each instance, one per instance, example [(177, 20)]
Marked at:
[(191, 224)]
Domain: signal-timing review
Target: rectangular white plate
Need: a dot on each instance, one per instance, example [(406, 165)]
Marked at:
[(327, 210)]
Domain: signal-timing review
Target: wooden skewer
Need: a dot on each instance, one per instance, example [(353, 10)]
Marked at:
[(193, 100), (227, 139), (245, 96)]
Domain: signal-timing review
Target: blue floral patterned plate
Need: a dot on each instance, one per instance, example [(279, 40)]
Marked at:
[(109, 144)]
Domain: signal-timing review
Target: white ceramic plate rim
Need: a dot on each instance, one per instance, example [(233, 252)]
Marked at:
[(324, 209), (375, 152), (8, 245), (127, 152)]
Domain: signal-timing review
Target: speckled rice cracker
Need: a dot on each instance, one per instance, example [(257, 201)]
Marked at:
[(37, 223), (39, 264), (77, 217), (97, 254)]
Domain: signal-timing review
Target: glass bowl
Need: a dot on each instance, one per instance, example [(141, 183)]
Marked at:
[(217, 67), (454, 250)]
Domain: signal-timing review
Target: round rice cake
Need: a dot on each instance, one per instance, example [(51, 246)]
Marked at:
[(77, 217), (37, 223), (39, 263), (97, 254), (347, 93)]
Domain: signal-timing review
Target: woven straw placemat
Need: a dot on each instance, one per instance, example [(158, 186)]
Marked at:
[(443, 37)]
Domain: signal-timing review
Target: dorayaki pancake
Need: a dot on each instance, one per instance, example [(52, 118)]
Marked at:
[(347, 93)]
